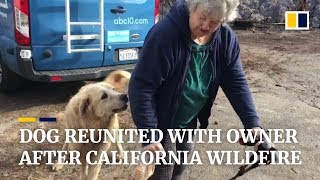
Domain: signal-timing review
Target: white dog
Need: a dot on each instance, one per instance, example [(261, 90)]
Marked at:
[(95, 106)]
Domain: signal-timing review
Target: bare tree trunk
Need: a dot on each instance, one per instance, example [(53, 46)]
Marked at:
[(302, 5), (165, 6)]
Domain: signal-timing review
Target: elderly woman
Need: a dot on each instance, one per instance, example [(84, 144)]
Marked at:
[(185, 58)]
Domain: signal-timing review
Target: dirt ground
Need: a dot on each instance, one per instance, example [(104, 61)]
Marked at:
[(283, 70)]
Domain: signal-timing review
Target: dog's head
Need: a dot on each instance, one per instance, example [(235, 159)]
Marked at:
[(119, 80), (99, 100)]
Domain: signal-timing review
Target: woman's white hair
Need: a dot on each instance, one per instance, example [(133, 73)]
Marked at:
[(223, 9)]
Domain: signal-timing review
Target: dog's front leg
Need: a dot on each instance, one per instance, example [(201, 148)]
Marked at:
[(56, 166), (84, 164), (93, 170), (119, 148)]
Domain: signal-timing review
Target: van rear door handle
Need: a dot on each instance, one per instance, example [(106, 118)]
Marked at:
[(118, 10), (10, 51)]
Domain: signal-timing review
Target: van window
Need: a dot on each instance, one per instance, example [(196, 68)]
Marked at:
[(128, 1)]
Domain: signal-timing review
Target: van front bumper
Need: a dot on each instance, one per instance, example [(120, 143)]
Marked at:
[(27, 71)]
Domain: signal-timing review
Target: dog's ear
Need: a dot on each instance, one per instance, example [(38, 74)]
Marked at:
[(119, 80), (83, 108)]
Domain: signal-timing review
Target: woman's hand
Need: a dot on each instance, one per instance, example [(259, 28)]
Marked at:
[(153, 147)]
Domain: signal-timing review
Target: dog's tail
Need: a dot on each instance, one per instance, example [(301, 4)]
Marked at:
[(119, 79), (60, 117)]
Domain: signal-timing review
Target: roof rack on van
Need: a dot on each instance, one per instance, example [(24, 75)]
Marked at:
[(68, 37)]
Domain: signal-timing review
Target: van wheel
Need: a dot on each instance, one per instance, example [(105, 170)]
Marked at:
[(9, 80)]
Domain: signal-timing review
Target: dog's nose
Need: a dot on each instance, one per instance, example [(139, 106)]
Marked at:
[(124, 98)]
